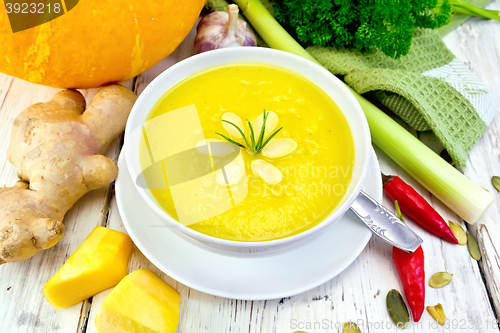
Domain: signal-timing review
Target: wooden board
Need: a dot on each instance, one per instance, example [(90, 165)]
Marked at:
[(478, 44), (357, 294), (23, 307)]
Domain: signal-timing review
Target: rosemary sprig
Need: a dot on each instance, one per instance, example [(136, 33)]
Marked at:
[(256, 146)]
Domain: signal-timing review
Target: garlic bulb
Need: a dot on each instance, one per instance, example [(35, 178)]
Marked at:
[(218, 30)]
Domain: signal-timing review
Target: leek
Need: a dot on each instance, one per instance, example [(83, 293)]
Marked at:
[(460, 194), (460, 6)]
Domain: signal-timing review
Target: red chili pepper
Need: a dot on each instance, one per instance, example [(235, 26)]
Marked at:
[(412, 275), (416, 207)]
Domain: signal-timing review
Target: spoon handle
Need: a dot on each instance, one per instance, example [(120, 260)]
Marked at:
[(385, 224)]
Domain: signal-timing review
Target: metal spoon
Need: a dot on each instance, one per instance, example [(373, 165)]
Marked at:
[(385, 224)]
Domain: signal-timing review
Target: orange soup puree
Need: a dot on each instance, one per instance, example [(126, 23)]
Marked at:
[(315, 176)]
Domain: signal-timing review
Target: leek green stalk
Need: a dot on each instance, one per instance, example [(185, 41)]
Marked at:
[(460, 6), (460, 194)]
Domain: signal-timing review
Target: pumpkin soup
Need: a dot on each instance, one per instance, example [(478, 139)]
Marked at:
[(273, 190)]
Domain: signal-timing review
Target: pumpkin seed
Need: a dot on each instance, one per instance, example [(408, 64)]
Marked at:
[(350, 327), (437, 313), (496, 182), (458, 232), (397, 309), (439, 280), (473, 247)]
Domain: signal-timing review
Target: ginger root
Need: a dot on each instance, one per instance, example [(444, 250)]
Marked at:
[(56, 148)]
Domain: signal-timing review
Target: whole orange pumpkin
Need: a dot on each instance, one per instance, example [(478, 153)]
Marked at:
[(96, 42)]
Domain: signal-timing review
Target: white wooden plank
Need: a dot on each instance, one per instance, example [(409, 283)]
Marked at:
[(478, 43), (23, 307)]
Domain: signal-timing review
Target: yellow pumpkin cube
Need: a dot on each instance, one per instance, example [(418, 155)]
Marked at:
[(140, 303), (98, 264)]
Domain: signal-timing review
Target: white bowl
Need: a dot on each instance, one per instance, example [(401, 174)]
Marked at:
[(303, 67)]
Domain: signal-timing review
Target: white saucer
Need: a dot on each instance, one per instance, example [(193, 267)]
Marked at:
[(283, 273)]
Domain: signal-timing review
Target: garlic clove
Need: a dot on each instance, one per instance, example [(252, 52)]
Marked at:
[(232, 117), (267, 171), (279, 147), (231, 173), (271, 122)]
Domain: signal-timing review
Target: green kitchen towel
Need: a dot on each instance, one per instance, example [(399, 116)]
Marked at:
[(430, 89)]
